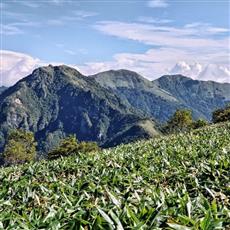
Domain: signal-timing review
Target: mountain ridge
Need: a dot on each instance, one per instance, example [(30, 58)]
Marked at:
[(110, 107), (158, 100), (56, 101)]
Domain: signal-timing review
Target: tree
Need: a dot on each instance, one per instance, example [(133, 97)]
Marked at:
[(221, 115), (20, 147), (87, 147), (70, 146), (67, 147), (180, 121)]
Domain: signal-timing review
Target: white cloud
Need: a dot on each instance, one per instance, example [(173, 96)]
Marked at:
[(196, 42), (15, 65), (157, 4), (163, 35), (160, 61), (192, 70), (151, 64)]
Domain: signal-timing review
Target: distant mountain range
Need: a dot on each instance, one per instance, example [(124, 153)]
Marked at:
[(110, 108), (160, 98)]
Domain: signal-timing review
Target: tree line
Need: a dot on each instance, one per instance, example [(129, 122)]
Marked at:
[(20, 145)]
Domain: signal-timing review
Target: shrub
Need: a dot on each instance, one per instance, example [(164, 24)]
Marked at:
[(180, 121), (70, 146), (221, 115), (20, 147), (87, 147), (67, 147)]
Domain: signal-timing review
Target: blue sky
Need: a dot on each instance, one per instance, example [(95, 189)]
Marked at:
[(150, 37)]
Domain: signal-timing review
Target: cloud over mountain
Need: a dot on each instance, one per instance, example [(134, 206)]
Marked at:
[(15, 65), (204, 72)]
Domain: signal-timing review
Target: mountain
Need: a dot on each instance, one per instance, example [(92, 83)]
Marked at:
[(140, 93), (110, 108), (55, 101), (202, 97), (2, 88), (160, 98)]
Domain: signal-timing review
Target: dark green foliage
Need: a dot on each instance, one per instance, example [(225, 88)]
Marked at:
[(202, 97), (199, 123), (67, 147), (70, 146), (20, 147), (161, 97), (56, 101), (180, 121), (221, 115), (176, 182), (87, 147)]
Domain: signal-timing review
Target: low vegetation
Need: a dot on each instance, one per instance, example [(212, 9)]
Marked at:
[(20, 147), (176, 182), (221, 115), (182, 121), (70, 146)]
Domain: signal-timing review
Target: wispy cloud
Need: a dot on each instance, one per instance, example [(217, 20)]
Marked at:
[(21, 21), (157, 4), (17, 27), (70, 52), (206, 28), (84, 14), (190, 38), (73, 16), (25, 24), (153, 20), (191, 42), (10, 30)]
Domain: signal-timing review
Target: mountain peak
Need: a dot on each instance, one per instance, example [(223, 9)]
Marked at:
[(121, 78), (174, 77), (59, 68)]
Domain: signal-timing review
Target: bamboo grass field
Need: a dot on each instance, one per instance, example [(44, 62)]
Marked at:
[(175, 182)]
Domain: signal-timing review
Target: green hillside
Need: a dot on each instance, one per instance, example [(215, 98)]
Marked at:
[(175, 182)]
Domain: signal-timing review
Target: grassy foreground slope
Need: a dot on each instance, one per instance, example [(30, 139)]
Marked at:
[(175, 182)]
